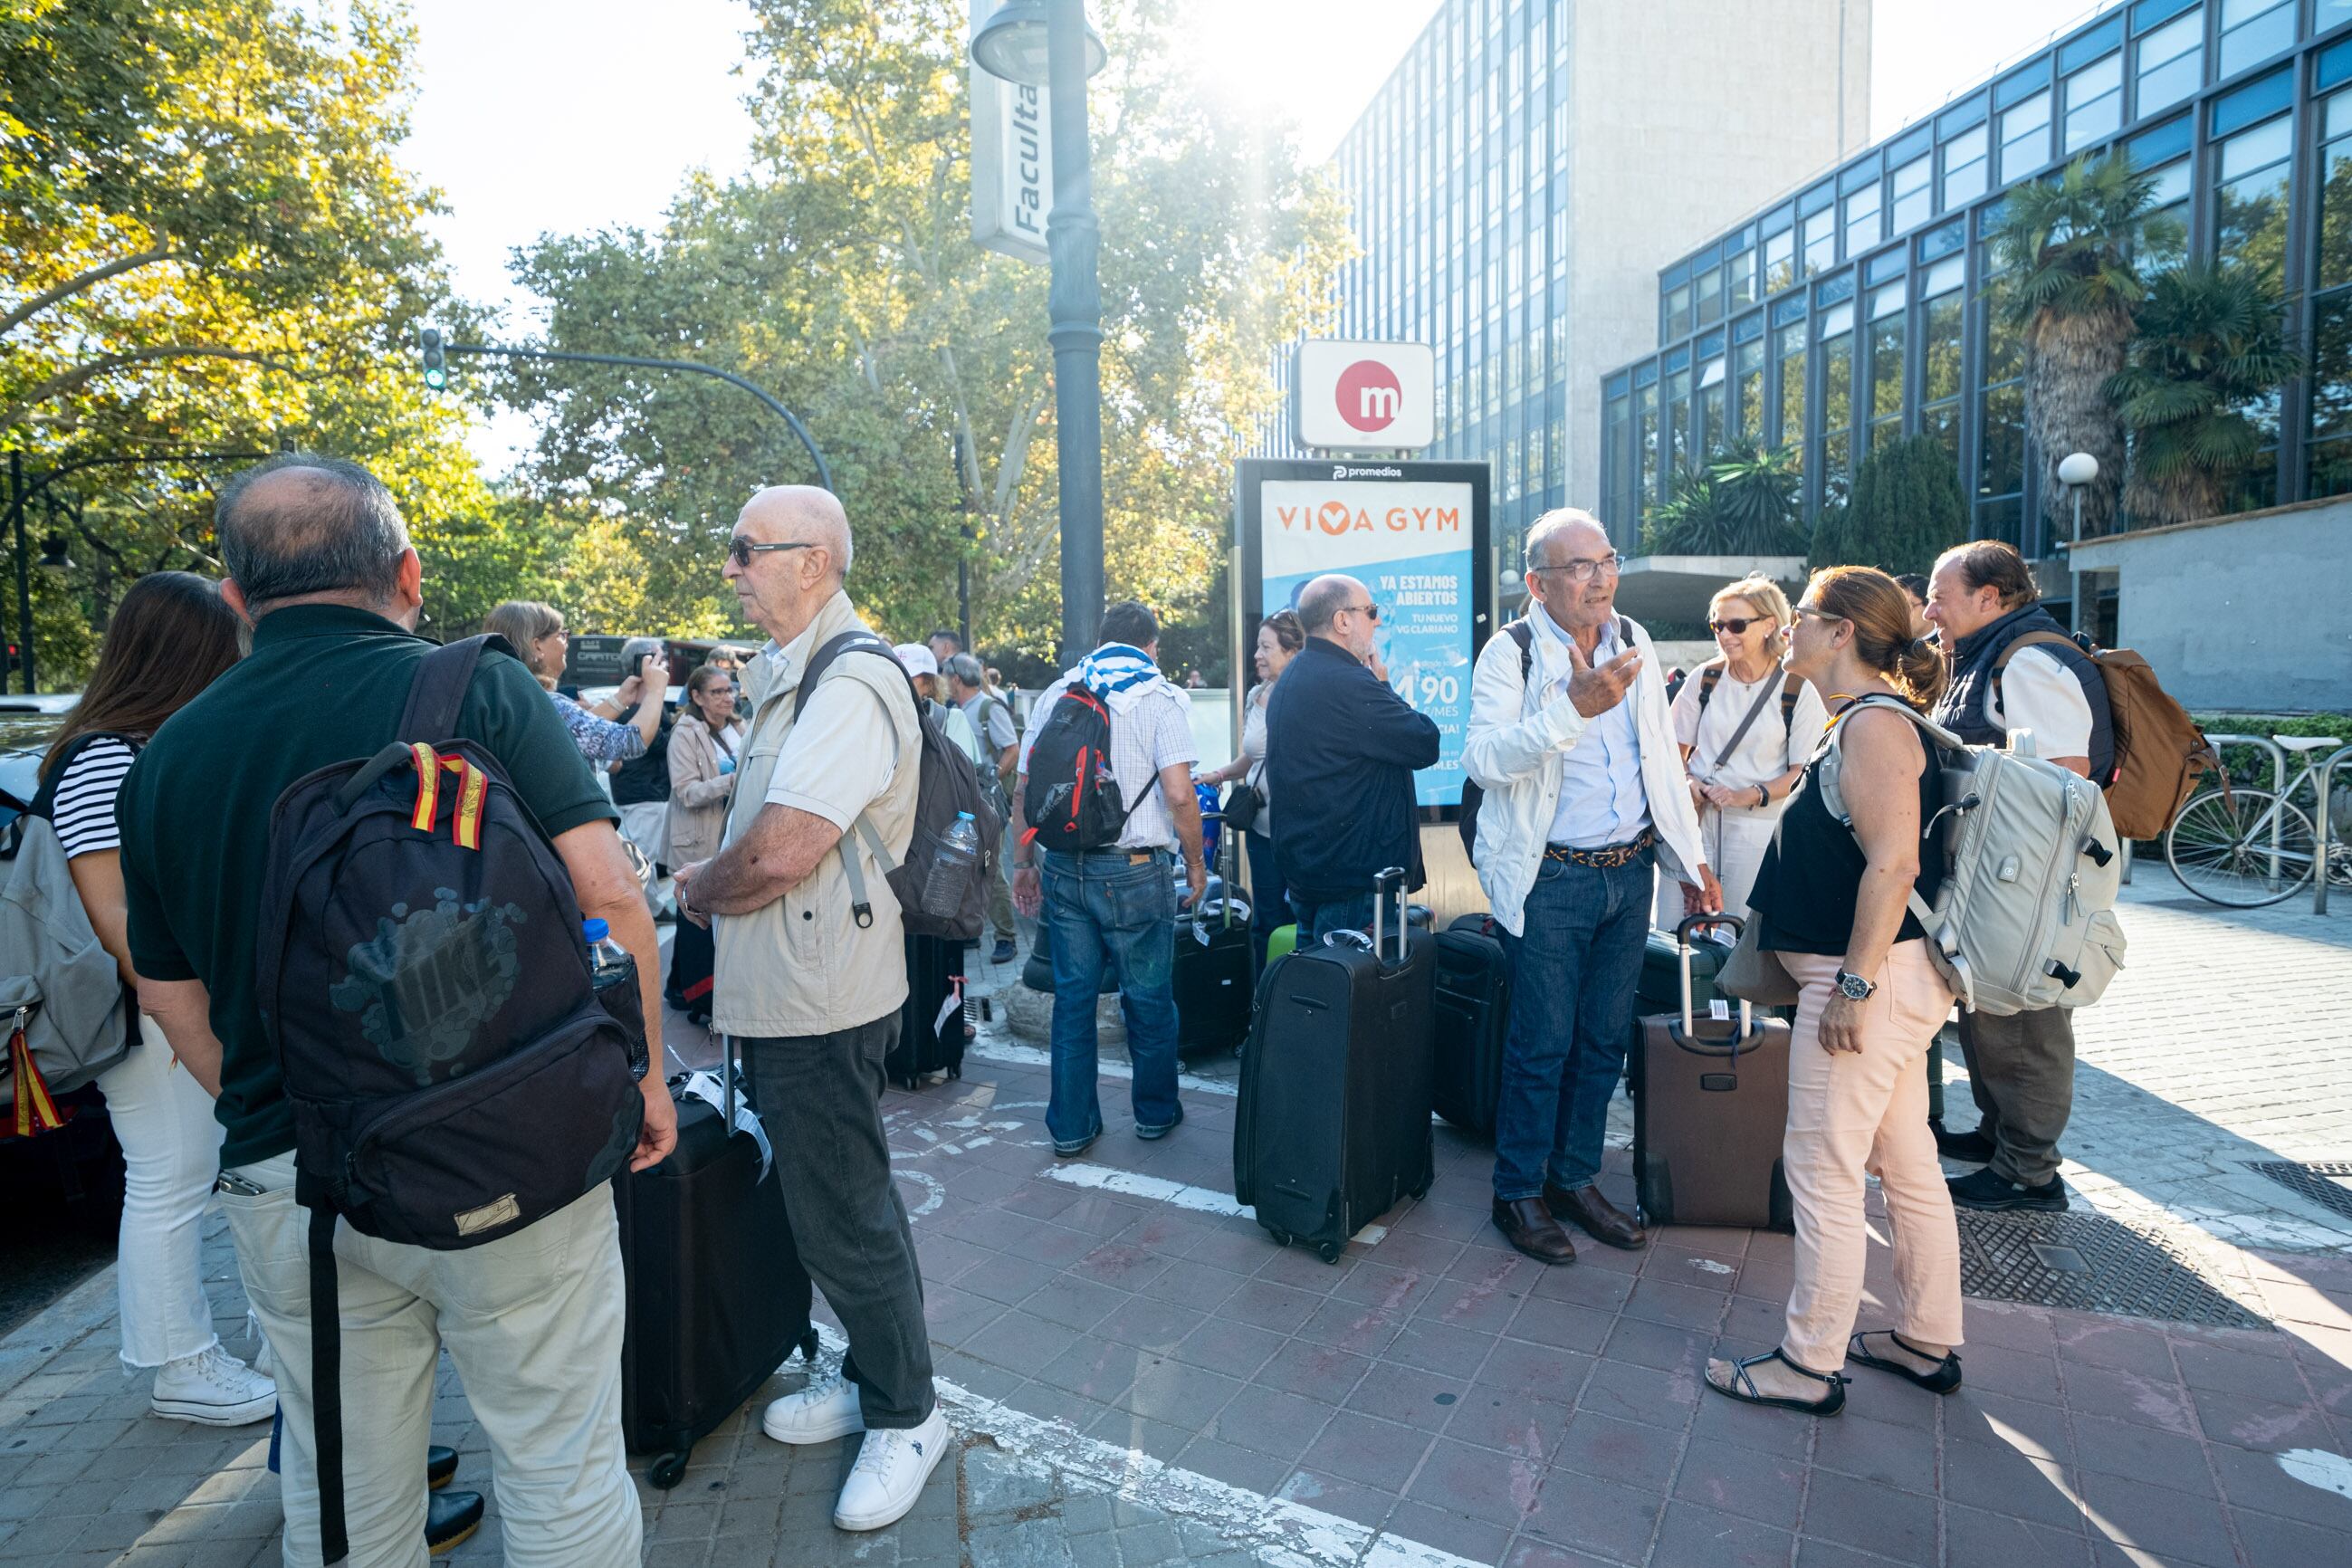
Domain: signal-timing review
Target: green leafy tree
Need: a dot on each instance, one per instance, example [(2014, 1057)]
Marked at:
[(1743, 502), (1906, 509), (2209, 347), (841, 275), (2069, 283)]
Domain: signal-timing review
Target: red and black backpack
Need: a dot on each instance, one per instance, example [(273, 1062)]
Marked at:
[(1072, 803)]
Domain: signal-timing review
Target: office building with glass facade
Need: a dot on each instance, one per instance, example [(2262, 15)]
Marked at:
[(1855, 311), (1515, 178)]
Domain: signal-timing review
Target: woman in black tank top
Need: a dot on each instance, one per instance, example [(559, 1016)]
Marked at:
[(1833, 899)]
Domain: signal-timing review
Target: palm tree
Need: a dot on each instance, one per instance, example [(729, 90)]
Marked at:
[(2209, 345), (2069, 287), (1744, 502)]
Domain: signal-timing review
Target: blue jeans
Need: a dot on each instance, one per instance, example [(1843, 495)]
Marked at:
[(1105, 911), (1318, 921), (1573, 975)]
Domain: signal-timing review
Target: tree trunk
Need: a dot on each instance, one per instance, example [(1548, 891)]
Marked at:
[(2068, 359)]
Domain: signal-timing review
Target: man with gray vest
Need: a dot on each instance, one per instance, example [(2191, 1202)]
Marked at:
[(2015, 669), (812, 989)]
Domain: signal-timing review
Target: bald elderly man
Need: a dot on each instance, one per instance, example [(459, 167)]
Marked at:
[(810, 987), (1340, 748)]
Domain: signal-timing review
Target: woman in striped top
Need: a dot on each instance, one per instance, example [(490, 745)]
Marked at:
[(171, 637)]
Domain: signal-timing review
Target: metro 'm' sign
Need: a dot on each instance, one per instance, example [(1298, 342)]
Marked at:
[(1364, 396)]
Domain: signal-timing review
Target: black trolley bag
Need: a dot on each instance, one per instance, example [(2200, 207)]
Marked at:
[(427, 992), (1711, 1105), (1472, 1023), (1333, 1127), (927, 1045), (1211, 972), (718, 1298)]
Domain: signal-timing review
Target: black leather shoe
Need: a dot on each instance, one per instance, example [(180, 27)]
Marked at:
[(1973, 1145), (1527, 1225), (1600, 1218), (451, 1518), (1989, 1190), (440, 1466)]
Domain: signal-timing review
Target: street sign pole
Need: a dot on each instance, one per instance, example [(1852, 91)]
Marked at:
[(1074, 299)]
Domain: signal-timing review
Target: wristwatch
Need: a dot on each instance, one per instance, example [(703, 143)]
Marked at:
[(1854, 987)]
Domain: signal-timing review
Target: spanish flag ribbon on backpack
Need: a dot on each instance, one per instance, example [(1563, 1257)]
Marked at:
[(35, 1111), (472, 787)]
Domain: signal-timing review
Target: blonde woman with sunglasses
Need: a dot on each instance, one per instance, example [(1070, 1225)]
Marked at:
[(1746, 728)]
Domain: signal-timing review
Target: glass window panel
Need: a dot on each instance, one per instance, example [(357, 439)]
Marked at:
[(1821, 241), (2267, 143), (1886, 368), (2025, 137), (2002, 519), (1748, 390), (2335, 216), (1862, 219), (2330, 453), (1679, 413), (2249, 208), (1792, 430), (1740, 288), (1706, 296), (1964, 168), (1779, 261), (2254, 30), (2171, 62), (1942, 420), (1711, 405), (1913, 202), (1645, 440), (2002, 466), (2095, 103), (1837, 382), (1940, 346)]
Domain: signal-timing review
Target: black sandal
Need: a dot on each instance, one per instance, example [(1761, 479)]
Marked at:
[(1943, 1380), (1828, 1405)]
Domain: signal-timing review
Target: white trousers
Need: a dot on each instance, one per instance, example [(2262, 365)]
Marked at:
[(533, 1321), (171, 1152), (1735, 842)]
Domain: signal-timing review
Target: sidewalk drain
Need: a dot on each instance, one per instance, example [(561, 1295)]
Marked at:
[(2311, 1180), (2090, 1263)]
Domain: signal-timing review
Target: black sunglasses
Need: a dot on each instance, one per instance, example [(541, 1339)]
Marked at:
[(743, 549), (1736, 625), (1369, 611)]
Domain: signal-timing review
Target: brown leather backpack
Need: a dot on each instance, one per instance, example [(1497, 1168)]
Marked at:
[(2160, 751)]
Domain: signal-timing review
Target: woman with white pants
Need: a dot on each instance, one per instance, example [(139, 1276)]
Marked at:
[(171, 634), (1746, 728)]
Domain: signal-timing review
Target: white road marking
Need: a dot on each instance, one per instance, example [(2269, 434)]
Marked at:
[(2318, 1468), (1031, 1057), (935, 1193), (1201, 1200), (1279, 1533), (1711, 1266)]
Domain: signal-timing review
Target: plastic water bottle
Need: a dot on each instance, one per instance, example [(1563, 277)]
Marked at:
[(954, 869)]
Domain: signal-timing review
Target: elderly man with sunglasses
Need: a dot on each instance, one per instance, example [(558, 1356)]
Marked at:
[(1570, 738), (810, 978), (1341, 751)]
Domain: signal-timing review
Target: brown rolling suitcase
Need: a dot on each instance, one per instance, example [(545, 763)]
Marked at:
[(1710, 1101)]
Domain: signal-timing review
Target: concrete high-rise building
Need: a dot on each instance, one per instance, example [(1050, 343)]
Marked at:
[(1515, 179)]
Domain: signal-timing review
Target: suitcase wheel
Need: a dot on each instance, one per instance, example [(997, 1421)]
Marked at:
[(669, 1469), (1421, 1191), (1281, 1237), (1329, 1251)]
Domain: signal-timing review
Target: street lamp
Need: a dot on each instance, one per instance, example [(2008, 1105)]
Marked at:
[(2074, 471), (1047, 44)]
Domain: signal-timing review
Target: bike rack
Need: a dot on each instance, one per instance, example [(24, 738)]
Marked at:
[(2319, 859), (2278, 785)]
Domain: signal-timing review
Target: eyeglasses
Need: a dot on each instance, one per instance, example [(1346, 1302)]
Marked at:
[(1585, 570), (743, 549), (1737, 624), (1818, 615), (1369, 611)]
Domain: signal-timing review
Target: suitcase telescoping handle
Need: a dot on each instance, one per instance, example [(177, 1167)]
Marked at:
[(1383, 882), (1683, 933)]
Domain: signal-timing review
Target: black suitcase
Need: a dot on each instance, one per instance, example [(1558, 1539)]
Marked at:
[(931, 1023), (1332, 1127), (717, 1296), (1473, 1010), (1709, 1110), (1211, 975)]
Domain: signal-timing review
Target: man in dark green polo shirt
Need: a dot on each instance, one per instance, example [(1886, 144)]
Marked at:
[(319, 563)]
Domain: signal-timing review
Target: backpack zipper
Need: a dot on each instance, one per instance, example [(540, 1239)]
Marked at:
[(2044, 931)]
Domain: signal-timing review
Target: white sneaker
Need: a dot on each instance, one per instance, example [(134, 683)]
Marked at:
[(817, 1413), (891, 1469), (212, 1388)]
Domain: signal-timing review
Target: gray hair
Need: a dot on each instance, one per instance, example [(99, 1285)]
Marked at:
[(1552, 524), (637, 649), (966, 669), (334, 528)]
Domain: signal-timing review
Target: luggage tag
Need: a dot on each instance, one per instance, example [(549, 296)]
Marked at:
[(1200, 930), (951, 1008), (705, 1087), (1719, 1010)]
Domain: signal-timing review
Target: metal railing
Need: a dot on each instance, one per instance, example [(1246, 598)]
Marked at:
[(2319, 866), (2278, 782)]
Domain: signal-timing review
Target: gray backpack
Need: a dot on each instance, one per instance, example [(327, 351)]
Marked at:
[(2025, 919), (59, 988)]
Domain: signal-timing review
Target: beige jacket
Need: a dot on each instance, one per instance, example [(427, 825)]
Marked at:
[(697, 791), (802, 965)]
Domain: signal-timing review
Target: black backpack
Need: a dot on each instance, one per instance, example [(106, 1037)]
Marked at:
[(947, 784), (1072, 803), (426, 990)]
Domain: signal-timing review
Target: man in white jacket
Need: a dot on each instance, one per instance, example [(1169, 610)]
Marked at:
[(1585, 794)]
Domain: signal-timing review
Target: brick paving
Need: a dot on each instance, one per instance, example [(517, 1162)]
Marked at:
[(1139, 1376)]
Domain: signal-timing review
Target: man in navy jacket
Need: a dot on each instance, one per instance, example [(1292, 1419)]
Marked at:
[(1340, 753)]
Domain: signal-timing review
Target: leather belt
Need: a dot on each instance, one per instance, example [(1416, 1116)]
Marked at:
[(1608, 858)]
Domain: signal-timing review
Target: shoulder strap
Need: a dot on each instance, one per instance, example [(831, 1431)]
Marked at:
[(1790, 690), (44, 804), (1525, 635), (438, 688), (857, 639), (1755, 709), (2032, 639), (1709, 674)]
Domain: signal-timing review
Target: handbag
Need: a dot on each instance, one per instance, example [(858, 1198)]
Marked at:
[(1242, 806), (1754, 975)]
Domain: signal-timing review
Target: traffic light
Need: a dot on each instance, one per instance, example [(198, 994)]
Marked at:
[(437, 364)]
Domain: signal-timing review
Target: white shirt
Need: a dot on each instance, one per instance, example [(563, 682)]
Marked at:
[(1767, 751), (1254, 748), (2039, 693), (1602, 800), (1156, 733)]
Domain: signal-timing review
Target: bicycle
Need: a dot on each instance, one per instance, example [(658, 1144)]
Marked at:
[(2243, 849)]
